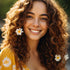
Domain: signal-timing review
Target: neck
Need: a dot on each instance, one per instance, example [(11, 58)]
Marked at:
[(32, 44)]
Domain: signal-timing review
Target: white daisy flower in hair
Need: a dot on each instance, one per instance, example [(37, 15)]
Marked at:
[(19, 31), (66, 57), (57, 57)]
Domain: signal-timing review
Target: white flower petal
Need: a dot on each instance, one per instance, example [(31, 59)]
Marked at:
[(66, 57)]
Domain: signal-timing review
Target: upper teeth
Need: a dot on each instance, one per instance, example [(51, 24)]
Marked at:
[(34, 31)]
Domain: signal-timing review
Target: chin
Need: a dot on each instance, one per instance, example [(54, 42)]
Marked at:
[(35, 38)]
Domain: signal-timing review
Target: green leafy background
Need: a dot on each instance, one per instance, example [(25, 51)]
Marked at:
[(65, 4), (5, 5)]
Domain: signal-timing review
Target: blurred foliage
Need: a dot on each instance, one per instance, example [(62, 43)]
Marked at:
[(5, 5), (65, 5)]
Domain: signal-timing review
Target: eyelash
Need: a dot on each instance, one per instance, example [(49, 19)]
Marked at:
[(40, 18), (29, 17), (44, 18)]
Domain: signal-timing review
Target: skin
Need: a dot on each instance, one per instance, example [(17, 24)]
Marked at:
[(35, 28), (36, 24)]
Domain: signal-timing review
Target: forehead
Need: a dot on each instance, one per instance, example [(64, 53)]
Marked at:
[(38, 7)]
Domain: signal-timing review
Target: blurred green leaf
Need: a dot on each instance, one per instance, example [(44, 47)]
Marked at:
[(65, 5), (5, 5)]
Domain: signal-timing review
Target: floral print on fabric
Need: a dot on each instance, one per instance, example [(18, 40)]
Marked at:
[(6, 62)]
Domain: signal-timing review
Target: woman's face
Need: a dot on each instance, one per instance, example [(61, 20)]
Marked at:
[(36, 21)]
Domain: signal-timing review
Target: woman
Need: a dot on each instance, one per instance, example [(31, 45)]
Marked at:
[(35, 36)]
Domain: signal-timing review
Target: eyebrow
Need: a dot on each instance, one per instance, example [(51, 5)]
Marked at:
[(44, 15), (30, 13), (40, 15)]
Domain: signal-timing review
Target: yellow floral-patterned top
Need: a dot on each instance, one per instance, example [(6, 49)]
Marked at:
[(7, 60)]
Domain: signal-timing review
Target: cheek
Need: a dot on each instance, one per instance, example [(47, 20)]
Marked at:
[(29, 21), (25, 27), (27, 24), (44, 26)]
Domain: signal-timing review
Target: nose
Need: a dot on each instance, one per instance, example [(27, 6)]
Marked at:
[(36, 22)]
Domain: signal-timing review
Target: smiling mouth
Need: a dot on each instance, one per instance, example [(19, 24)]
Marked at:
[(35, 31)]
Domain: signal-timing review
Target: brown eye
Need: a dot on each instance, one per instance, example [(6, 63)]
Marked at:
[(29, 17), (44, 19)]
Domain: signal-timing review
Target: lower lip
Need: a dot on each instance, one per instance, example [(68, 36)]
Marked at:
[(35, 33)]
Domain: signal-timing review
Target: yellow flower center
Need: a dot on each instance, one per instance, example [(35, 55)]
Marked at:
[(58, 57), (19, 31), (6, 62)]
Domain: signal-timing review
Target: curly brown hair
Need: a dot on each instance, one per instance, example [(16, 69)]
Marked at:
[(52, 43)]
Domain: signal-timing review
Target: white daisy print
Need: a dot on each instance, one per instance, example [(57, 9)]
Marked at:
[(66, 57), (6, 62), (57, 57), (14, 67), (19, 31)]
